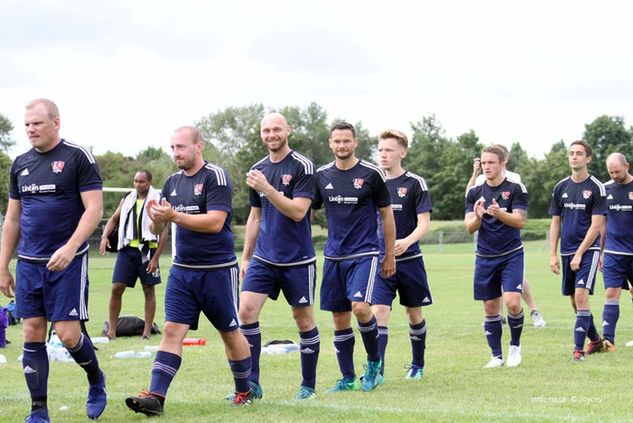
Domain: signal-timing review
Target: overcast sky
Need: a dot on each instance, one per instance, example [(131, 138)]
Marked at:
[(126, 73)]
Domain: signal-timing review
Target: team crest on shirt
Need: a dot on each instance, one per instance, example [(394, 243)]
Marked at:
[(402, 192), (285, 179), (197, 189), (505, 195), (586, 194), (358, 183), (57, 166)]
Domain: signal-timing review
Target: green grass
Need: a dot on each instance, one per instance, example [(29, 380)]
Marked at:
[(546, 387)]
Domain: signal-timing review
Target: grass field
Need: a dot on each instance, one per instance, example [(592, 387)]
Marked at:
[(547, 386)]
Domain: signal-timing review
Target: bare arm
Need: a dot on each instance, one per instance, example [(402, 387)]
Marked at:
[(473, 219), (516, 219), (554, 235), (109, 227), (476, 172), (10, 238), (292, 208), (250, 237), (93, 205), (421, 229), (152, 265), (389, 235), (211, 223)]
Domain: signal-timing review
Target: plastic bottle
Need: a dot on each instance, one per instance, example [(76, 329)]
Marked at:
[(125, 354), (194, 341), (143, 354), (101, 340), (3, 359)]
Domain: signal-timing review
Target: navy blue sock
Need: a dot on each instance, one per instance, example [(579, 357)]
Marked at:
[(253, 335), (35, 366), (241, 372), (493, 330), (592, 332), (583, 320), (417, 336), (310, 345), (344, 346), (610, 316), (84, 354), (516, 327), (383, 340), (165, 367), (369, 333)]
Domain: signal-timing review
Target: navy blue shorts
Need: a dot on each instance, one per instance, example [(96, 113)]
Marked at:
[(213, 292), (494, 273), (59, 296), (129, 267), (617, 270), (347, 281), (409, 281), (296, 282), (585, 277)]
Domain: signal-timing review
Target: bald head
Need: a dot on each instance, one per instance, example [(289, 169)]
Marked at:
[(618, 158), (192, 132), (274, 130), (618, 168)]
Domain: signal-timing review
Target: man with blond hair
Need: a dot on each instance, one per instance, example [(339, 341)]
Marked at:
[(411, 204), (478, 178), (498, 210), (55, 203)]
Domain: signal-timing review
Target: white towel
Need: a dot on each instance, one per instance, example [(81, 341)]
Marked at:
[(127, 221)]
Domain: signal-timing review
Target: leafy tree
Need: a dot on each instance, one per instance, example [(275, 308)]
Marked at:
[(5, 165), (518, 158), (607, 134), (540, 176), (5, 133)]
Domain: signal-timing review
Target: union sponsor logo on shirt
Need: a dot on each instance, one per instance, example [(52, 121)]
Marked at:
[(505, 195), (197, 189), (586, 194), (358, 183), (402, 192), (57, 166), (285, 179)]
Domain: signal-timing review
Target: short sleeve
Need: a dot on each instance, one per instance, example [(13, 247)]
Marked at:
[(14, 192), (381, 195), (88, 173), (218, 195), (554, 207)]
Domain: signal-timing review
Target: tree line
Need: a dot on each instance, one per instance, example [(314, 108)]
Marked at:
[(232, 140)]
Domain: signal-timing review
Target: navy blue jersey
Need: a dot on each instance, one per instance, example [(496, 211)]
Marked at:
[(49, 186), (409, 198), (619, 218), (281, 240), (575, 203), (208, 190), (495, 238), (351, 198)]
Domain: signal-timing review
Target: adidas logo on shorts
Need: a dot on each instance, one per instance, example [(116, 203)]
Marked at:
[(73, 312), (302, 300), (29, 370), (358, 295), (233, 323)]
